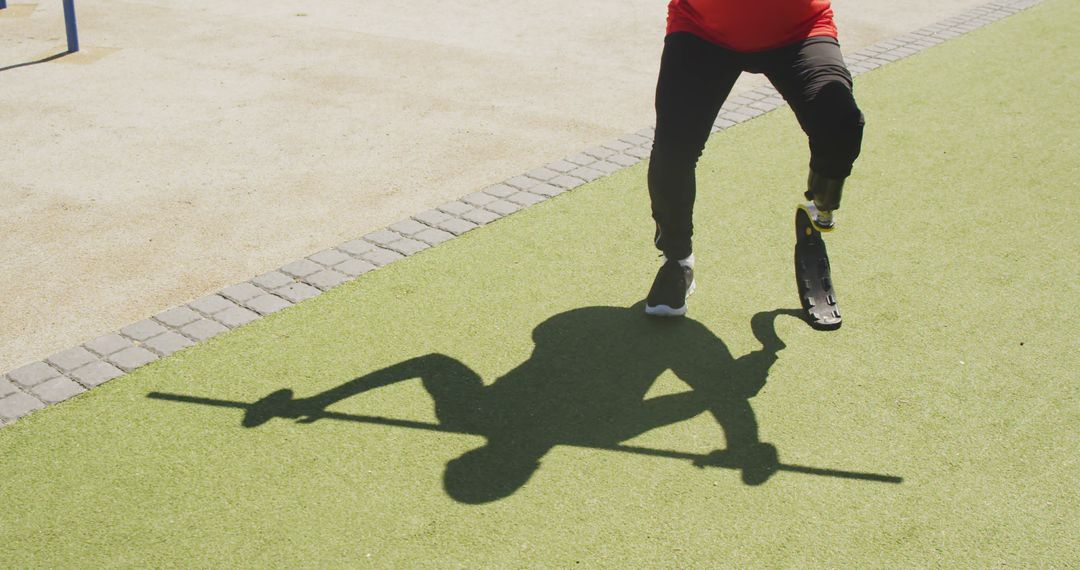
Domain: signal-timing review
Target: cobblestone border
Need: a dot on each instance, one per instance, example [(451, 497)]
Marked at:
[(76, 370)]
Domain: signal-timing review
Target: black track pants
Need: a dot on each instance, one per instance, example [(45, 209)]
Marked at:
[(696, 77)]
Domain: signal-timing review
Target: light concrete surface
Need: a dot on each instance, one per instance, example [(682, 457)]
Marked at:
[(194, 145)]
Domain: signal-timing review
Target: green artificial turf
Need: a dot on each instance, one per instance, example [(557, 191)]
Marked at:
[(954, 372)]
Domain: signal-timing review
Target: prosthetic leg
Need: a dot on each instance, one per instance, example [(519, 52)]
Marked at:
[(812, 273)]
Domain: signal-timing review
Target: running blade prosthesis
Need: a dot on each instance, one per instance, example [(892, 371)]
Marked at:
[(812, 274)]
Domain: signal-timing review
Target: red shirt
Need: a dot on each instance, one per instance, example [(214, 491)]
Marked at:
[(752, 25)]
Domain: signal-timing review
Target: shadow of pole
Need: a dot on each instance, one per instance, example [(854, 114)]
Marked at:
[(701, 460), (43, 60)]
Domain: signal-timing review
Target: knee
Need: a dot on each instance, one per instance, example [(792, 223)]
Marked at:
[(673, 154), (836, 111)]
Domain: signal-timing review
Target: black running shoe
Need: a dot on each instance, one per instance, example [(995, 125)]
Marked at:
[(673, 284)]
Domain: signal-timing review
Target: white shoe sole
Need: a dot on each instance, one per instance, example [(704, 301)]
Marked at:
[(666, 311)]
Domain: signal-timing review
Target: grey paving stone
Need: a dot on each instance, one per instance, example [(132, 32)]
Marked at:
[(566, 182), (409, 246), (32, 374), (481, 217), (504, 207), (479, 199), (433, 236), (96, 373), (599, 152), (381, 257), (522, 182), (408, 227), (760, 93), (586, 173), (107, 344), (763, 105), (457, 226), (57, 390), (751, 111), (382, 237), (327, 279), (431, 217), (729, 106), (168, 343), (621, 160), (639, 152), (948, 34), (357, 267), (7, 387), (302, 268), (606, 167), (18, 405), (297, 292), (455, 208), (636, 140), (907, 39), (266, 304), (238, 316), (560, 166), (71, 358), (131, 358), (273, 280), (581, 159), (617, 146), (177, 317), (498, 191), (211, 304), (542, 174), (359, 247), (723, 123), (736, 102), (550, 190), (928, 30), (204, 329), (241, 292), (525, 198), (143, 330), (736, 116), (329, 257), (648, 132)]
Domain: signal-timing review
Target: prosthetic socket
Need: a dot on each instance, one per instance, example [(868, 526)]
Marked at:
[(825, 194)]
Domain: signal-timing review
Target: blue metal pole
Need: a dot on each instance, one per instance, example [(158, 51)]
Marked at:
[(72, 29), (3, 4)]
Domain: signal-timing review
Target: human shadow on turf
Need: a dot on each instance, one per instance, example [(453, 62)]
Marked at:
[(584, 385)]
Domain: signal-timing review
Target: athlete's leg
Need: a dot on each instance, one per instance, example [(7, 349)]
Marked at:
[(695, 78), (814, 80)]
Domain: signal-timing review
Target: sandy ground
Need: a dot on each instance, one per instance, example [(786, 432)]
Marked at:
[(192, 146)]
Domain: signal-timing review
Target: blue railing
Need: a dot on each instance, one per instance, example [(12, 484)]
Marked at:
[(72, 29)]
